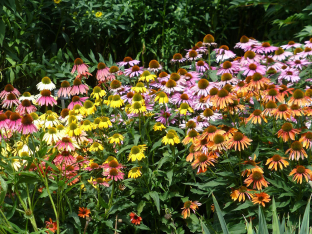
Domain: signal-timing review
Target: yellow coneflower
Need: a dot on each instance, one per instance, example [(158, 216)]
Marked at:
[(116, 138), (184, 108), (137, 97), (98, 92), (90, 108), (116, 102), (158, 127), (78, 109), (96, 146), (86, 125), (105, 122), (171, 138), (47, 114), (137, 153), (73, 130), (147, 76), (134, 173), (139, 88), (261, 198), (241, 192), (287, 131), (137, 108), (162, 98), (299, 172), (276, 161)]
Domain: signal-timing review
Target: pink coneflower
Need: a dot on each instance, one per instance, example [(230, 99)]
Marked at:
[(252, 68), (128, 60), (191, 78), (15, 121), (201, 66), (245, 43), (223, 53), (264, 48), (308, 43), (128, 97), (197, 49), (64, 91), (7, 90), (164, 116), (177, 58), (77, 101), (203, 87), (200, 103), (80, 67), (193, 55), (209, 41), (180, 80), (10, 100), (163, 76), (227, 78), (228, 67), (171, 86), (185, 97), (114, 174), (113, 163), (27, 126), (154, 66), (26, 107), (4, 120), (65, 157), (134, 71), (102, 72), (79, 88), (67, 144), (291, 44), (299, 64), (307, 51), (250, 57), (289, 74), (100, 181), (45, 98), (281, 54)]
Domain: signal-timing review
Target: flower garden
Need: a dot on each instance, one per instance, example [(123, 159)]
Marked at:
[(221, 144)]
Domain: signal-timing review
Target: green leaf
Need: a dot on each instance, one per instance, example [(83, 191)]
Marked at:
[(103, 203), (3, 189), (305, 221), (220, 216), (275, 222), (169, 175), (297, 205), (263, 229), (213, 75), (245, 205), (2, 31), (204, 228), (155, 197), (140, 207), (136, 139)]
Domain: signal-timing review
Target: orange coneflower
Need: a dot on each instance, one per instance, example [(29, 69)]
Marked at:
[(269, 107), (235, 106), (287, 131), (242, 88), (296, 110), (276, 161), (258, 81), (210, 132), (229, 132), (300, 171), (135, 219), (189, 205), (212, 95), (306, 139), (191, 136), (201, 144), (257, 117), (202, 161), (274, 95), (307, 111), (252, 162), (285, 91), (240, 194), (218, 143), (282, 112), (261, 198), (296, 151), (257, 178), (193, 154), (239, 140), (299, 98), (222, 99), (83, 212)]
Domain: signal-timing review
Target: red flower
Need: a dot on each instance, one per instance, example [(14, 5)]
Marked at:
[(52, 226), (136, 220)]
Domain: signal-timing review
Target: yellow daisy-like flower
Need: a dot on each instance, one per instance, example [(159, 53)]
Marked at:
[(184, 108), (137, 108), (162, 98), (90, 108), (134, 173), (96, 123), (116, 138), (116, 101), (96, 146), (171, 138), (91, 180), (105, 123), (158, 126), (57, 1), (147, 78), (79, 109), (137, 153), (73, 130), (149, 114), (98, 14), (52, 136), (98, 92), (98, 102), (86, 125), (48, 113), (139, 88), (108, 101)]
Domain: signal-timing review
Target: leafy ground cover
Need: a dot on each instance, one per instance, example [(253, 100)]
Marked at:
[(218, 145)]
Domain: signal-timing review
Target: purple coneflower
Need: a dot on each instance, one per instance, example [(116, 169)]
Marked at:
[(79, 88), (298, 64), (164, 116), (67, 144), (128, 60), (185, 97), (291, 44), (27, 126), (114, 174), (15, 121), (228, 67), (281, 54), (45, 98), (203, 87), (10, 100), (7, 90), (64, 158), (171, 86), (177, 58), (80, 67), (26, 107), (64, 91), (264, 48), (134, 71), (245, 43), (289, 74), (308, 43), (201, 66), (223, 53), (252, 68), (4, 120), (307, 51), (193, 55), (154, 66), (209, 41), (102, 71)]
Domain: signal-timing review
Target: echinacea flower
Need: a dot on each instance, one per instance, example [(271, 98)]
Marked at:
[(89, 107), (10, 100), (289, 74), (73, 130), (223, 53), (105, 122), (9, 89), (27, 126), (79, 88), (222, 99), (135, 219), (193, 55), (257, 179), (27, 96), (177, 57), (128, 61), (139, 88), (102, 72), (201, 66), (67, 144), (158, 127), (86, 125), (298, 64), (114, 174), (116, 102), (96, 146), (134, 173), (185, 108), (276, 161), (245, 43), (306, 139), (45, 83), (137, 108), (258, 81), (171, 138), (287, 131), (116, 139), (261, 198), (228, 67), (101, 181), (296, 151), (190, 137), (291, 44), (209, 40), (137, 153), (15, 121), (162, 98), (154, 66), (45, 98), (265, 48), (252, 68), (64, 157), (299, 172), (218, 143), (241, 192), (189, 205), (281, 54), (26, 107), (282, 112), (239, 141), (134, 71), (257, 117), (203, 160), (52, 136), (299, 98), (171, 86), (51, 226), (146, 76), (98, 92), (80, 67), (83, 212)]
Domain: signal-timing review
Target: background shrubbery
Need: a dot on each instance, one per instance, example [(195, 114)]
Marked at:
[(38, 37)]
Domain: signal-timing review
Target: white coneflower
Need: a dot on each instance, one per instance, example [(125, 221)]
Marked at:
[(45, 83), (52, 136)]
